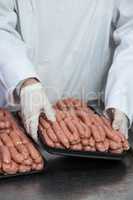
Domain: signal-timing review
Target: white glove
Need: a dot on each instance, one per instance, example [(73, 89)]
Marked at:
[(33, 101), (119, 121)]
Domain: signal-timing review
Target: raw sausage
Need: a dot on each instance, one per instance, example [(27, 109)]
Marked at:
[(114, 145), (15, 155), (15, 138), (6, 140), (24, 168), (52, 135), (48, 141), (76, 147), (66, 131), (100, 147), (60, 135), (5, 154), (96, 134), (112, 135), (73, 129), (23, 150), (34, 153), (11, 168), (44, 123)]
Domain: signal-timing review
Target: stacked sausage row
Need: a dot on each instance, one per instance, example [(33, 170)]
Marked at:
[(77, 127), (17, 153)]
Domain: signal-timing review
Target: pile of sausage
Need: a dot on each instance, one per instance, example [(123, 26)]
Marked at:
[(17, 153), (77, 127)]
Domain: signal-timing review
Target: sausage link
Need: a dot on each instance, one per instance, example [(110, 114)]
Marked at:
[(68, 103), (52, 135), (84, 117), (15, 155), (5, 154), (73, 129), (106, 122), (6, 140), (98, 120), (40, 166), (60, 135), (93, 149), (35, 155), (120, 135), (15, 138), (1, 143), (11, 168), (85, 142), (28, 161), (110, 134), (106, 144), (4, 131), (60, 115), (23, 137), (76, 103), (87, 130), (87, 148), (61, 105), (67, 132), (95, 133), (48, 141), (100, 147), (45, 124), (114, 145), (2, 125), (101, 132), (58, 145), (76, 147), (24, 168), (117, 151), (1, 114), (5, 124), (91, 142), (23, 150), (80, 129)]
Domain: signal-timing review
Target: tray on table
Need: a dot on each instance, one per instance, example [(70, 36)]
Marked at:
[(74, 153), (4, 175)]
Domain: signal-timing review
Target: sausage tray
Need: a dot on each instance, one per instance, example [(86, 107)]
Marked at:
[(4, 175), (74, 153)]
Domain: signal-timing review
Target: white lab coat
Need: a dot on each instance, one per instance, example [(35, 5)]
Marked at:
[(19, 41)]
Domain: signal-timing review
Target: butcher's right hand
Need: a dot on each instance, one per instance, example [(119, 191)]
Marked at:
[(33, 102)]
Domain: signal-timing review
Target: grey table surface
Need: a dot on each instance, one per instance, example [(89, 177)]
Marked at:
[(74, 179)]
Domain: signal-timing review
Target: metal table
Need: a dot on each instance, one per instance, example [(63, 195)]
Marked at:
[(74, 179)]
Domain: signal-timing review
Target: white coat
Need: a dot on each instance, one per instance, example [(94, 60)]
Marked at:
[(114, 23)]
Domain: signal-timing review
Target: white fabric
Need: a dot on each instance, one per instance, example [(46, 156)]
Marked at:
[(33, 102), (75, 44), (72, 59)]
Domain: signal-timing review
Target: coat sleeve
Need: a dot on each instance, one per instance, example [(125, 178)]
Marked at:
[(15, 65), (119, 88)]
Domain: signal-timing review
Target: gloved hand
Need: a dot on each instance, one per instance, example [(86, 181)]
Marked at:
[(119, 121), (33, 101)]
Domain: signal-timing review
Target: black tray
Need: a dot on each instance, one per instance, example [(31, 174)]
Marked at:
[(4, 175), (83, 154), (96, 155)]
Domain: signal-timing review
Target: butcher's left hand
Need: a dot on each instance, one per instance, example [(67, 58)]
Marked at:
[(120, 122)]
